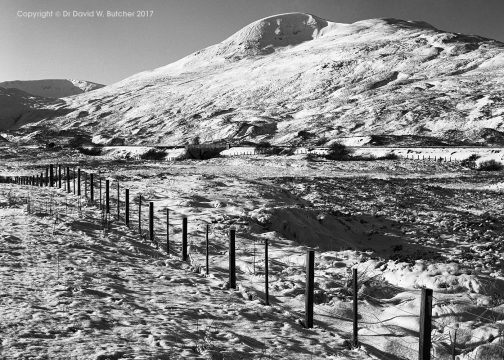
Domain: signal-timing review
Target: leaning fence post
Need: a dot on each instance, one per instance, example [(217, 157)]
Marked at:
[(232, 262), (310, 285), (266, 273), (151, 221), (355, 329), (184, 238), (424, 347), (126, 213), (207, 251), (107, 196)]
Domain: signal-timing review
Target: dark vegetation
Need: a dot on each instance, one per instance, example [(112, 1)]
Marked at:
[(154, 154), (490, 165), (91, 151), (338, 151)]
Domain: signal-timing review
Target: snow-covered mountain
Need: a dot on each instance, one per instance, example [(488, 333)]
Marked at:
[(294, 78), (19, 108), (52, 88)]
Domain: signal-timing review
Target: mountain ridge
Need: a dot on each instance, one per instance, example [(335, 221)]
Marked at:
[(52, 88), (295, 78)]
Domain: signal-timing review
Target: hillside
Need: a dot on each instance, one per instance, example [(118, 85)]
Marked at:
[(52, 88), (20, 108), (296, 78)]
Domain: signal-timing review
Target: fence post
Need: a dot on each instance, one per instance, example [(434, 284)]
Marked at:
[(118, 202), (107, 196), (167, 231), (140, 215), (310, 285), (232, 263), (47, 176), (184, 238), (126, 214), (100, 192), (425, 325), (59, 176), (355, 329), (68, 179), (207, 251), (151, 221), (85, 184), (91, 186), (51, 175), (78, 182), (74, 180), (266, 273)]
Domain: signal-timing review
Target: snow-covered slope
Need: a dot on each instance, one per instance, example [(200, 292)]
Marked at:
[(19, 108), (298, 78), (52, 88)]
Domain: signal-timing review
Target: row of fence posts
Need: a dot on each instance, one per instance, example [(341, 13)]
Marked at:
[(426, 294), (435, 158)]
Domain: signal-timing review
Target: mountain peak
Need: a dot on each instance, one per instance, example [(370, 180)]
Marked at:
[(265, 35)]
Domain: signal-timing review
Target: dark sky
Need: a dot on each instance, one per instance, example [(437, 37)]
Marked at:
[(107, 49)]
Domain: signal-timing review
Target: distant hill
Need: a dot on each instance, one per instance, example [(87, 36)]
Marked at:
[(18, 108), (52, 88)]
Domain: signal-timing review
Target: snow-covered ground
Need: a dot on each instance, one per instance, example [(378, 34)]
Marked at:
[(404, 224)]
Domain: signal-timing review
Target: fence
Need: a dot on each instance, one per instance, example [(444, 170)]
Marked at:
[(84, 188)]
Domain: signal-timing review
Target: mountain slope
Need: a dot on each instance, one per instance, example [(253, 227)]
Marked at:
[(295, 78), (52, 88), (19, 108)]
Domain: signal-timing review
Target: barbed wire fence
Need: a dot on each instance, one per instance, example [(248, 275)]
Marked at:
[(137, 212)]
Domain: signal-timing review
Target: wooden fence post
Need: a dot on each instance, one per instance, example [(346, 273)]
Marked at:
[(126, 214), (74, 180), (140, 215), (68, 179), (78, 182), (100, 191), (91, 186), (59, 176), (424, 348), (266, 273), (151, 221), (47, 176), (207, 251), (310, 285), (184, 238), (51, 175), (167, 231), (85, 184), (232, 261), (355, 337), (107, 196), (118, 202)]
